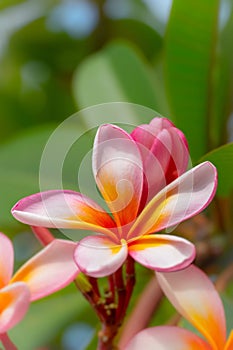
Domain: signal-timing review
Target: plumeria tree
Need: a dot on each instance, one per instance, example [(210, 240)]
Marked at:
[(119, 218)]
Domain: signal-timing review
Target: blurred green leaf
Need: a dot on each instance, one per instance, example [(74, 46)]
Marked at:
[(228, 306), (223, 82), (19, 163), (14, 3), (48, 317), (117, 73), (137, 32), (8, 3), (190, 45), (222, 158), (35, 42)]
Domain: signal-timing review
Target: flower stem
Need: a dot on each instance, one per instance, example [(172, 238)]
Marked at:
[(88, 286), (130, 281), (111, 305), (121, 295), (124, 289), (106, 337), (7, 343), (111, 286), (43, 235)]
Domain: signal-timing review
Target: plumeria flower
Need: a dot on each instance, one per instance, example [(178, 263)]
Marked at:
[(194, 296), (143, 180), (48, 271)]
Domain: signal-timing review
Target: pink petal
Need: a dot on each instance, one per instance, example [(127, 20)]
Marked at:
[(62, 209), (97, 256), (162, 252), (6, 260), (164, 151), (14, 303), (145, 134), (166, 338), (182, 199), (195, 298), (51, 269), (118, 171)]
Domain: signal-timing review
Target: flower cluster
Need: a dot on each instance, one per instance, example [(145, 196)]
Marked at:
[(143, 179)]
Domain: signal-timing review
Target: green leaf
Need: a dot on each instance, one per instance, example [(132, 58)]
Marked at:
[(21, 167), (137, 32), (19, 176), (116, 73), (228, 306), (222, 158), (190, 45), (222, 95)]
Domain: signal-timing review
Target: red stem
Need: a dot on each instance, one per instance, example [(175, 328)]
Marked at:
[(121, 294), (93, 281), (110, 308), (106, 336), (7, 343), (111, 287), (43, 235), (94, 299), (130, 281)]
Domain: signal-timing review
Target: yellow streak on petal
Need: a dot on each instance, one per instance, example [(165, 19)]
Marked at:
[(25, 274), (209, 327), (150, 219), (229, 344), (120, 196), (146, 242), (116, 248)]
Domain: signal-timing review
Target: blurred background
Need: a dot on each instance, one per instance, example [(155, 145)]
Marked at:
[(60, 56), (43, 44)]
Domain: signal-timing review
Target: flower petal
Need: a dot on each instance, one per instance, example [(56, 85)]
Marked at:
[(193, 295), (145, 134), (118, 170), (51, 269), (162, 252), (164, 152), (229, 344), (164, 338), (97, 256), (14, 303), (183, 198), (62, 209), (6, 260)]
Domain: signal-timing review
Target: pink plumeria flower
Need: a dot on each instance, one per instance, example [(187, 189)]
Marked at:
[(142, 178), (194, 296), (48, 271)]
